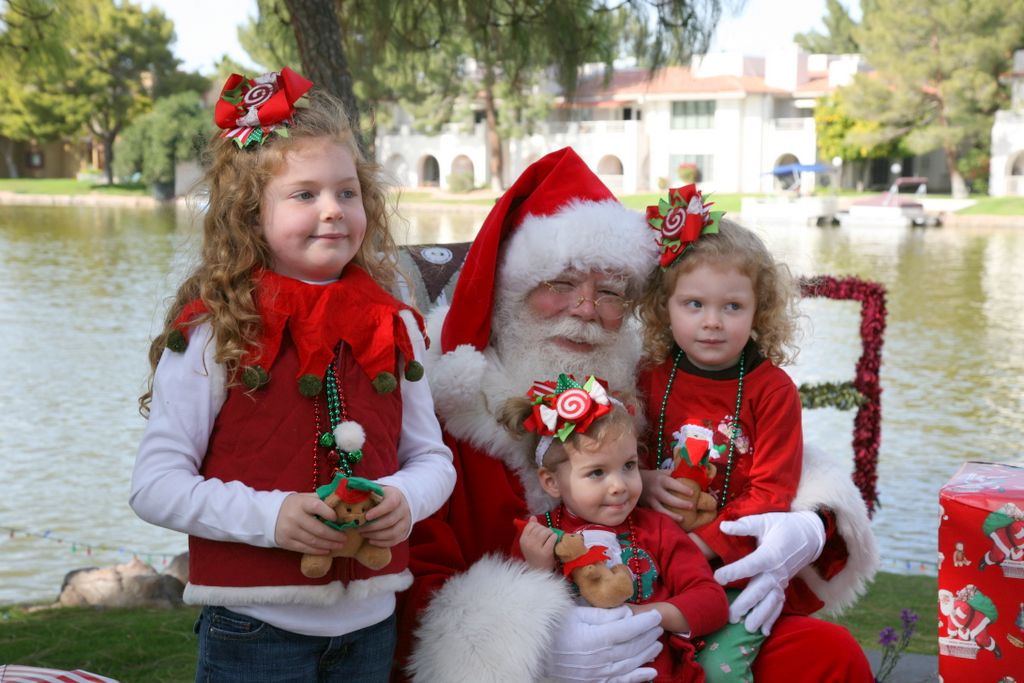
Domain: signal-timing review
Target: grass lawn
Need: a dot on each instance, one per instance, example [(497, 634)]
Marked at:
[(158, 646), (68, 186), (881, 606), (130, 645), (996, 206)]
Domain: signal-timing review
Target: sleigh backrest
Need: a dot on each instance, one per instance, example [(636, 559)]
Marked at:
[(432, 270)]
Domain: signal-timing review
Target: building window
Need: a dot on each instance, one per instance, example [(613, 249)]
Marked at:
[(693, 114), (679, 166)]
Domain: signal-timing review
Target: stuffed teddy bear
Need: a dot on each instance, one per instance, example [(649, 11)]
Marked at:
[(350, 497), (690, 465), (598, 585)]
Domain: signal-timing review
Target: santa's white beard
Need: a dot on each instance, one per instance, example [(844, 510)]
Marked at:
[(526, 348)]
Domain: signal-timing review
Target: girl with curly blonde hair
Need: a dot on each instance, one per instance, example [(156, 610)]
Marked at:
[(285, 387), (719, 317)]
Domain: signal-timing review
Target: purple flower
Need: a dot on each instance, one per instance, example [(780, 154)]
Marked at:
[(887, 636), (908, 618)]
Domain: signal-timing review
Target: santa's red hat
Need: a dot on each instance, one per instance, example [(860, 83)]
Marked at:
[(557, 215)]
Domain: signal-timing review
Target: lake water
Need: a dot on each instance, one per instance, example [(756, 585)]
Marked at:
[(82, 289)]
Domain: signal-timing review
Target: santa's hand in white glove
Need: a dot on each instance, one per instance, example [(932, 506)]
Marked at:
[(593, 644), (786, 543)]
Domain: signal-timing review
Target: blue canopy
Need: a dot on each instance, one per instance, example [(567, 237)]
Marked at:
[(788, 169)]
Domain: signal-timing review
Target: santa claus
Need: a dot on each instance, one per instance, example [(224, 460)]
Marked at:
[(1005, 527), (968, 616), (545, 289)]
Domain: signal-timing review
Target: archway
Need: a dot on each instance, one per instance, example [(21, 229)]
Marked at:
[(1016, 164), (609, 165), (462, 178), (786, 181), (430, 175)]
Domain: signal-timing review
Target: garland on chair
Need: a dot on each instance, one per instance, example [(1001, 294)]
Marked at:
[(867, 425)]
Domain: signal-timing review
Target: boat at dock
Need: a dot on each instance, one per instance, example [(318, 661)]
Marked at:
[(890, 208)]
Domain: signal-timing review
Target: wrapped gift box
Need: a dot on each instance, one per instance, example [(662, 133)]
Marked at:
[(981, 574)]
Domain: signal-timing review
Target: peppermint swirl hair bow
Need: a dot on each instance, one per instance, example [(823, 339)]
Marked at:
[(249, 109), (680, 221), (563, 407)]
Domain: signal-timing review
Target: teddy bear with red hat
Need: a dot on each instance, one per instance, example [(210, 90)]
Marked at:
[(691, 466), (350, 498)]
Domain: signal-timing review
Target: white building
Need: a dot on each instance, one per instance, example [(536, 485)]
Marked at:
[(734, 117), (1006, 167)]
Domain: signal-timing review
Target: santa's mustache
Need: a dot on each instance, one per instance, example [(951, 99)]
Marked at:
[(576, 330)]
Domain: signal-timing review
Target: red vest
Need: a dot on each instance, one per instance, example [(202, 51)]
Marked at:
[(266, 439)]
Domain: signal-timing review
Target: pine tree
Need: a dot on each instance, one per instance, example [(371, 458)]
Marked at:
[(838, 38), (936, 74)]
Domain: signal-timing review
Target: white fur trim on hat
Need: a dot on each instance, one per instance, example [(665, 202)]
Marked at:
[(584, 235)]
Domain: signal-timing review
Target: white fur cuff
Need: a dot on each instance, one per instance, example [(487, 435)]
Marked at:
[(825, 482), (492, 624)]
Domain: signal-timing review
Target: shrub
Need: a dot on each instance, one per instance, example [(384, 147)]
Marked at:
[(460, 181), (154, 143), (688, 172)]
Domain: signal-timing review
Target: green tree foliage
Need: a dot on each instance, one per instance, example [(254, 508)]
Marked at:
[(31, 58), (500, 53), (839, 33), (104, 63), (269, 39), (841, 135), (120, 60), (514, 47), (152, 145), (936, 80)]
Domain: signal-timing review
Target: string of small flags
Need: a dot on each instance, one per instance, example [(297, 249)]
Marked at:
[(76, 546), (908, 566)]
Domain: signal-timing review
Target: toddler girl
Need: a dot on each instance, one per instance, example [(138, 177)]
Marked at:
[(719, 318), (586, 458), (283, 368)]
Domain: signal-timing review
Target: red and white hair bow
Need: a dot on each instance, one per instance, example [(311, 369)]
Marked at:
[(249, 109), (565, 406), (680, 221)]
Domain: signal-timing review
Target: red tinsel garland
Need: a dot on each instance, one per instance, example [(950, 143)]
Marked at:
[(867, 425)]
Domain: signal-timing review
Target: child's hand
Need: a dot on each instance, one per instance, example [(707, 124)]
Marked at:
[(392, 520), (537, 543), (660, 489), (298, 528)]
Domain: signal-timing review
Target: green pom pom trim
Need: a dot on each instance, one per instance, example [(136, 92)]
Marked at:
[(310, 385), (384, 383), (254, 377), (176, 341), (414, 371)]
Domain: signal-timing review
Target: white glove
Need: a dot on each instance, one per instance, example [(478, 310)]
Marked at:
[(594, 644), (786, 543)]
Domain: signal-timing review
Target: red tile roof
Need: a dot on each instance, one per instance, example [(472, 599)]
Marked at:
[(629, 84)]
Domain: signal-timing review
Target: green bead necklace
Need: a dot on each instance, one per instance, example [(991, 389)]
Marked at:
[(732, 432), (336, 458)]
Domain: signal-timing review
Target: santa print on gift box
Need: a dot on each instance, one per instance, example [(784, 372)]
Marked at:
[(968, 616), (1005, 527)]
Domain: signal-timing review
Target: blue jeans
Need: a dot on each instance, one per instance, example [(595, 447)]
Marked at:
[(234, 648)]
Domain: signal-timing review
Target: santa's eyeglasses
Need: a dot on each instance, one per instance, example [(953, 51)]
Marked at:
[(608, 306)]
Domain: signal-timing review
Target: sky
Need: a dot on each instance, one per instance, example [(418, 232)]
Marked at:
[(206, 29)]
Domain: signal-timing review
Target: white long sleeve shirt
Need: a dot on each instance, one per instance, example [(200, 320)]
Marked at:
[(168, 490)]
